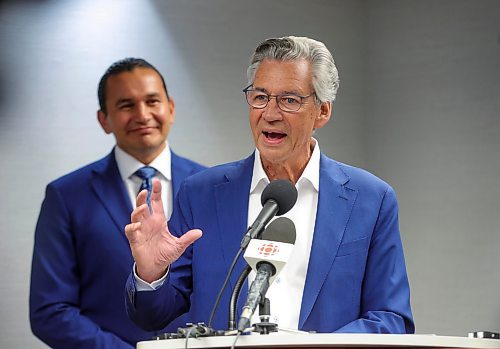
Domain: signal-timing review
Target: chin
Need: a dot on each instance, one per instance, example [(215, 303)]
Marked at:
[(151, 142), (273, 156)]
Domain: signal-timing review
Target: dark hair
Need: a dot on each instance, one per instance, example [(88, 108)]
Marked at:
[(118, 67)]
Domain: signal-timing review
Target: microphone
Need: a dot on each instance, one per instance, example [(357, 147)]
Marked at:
[(277, 198), (267, 257), (281, 229)]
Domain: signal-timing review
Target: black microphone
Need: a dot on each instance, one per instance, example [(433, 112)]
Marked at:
[(267, 257), (277, 198), (282, 229)]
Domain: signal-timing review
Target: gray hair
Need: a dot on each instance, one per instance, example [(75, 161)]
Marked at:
[(325, 78)]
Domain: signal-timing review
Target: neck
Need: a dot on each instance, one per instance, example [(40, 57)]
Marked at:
[(146, 156), (291, 170), (282, 172)]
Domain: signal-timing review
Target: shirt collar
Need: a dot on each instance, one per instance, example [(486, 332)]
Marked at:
[(310, 174), (127, 164)]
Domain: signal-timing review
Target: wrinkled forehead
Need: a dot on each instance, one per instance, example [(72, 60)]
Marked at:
[(278, 77)]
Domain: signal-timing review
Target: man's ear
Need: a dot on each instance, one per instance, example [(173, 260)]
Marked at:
[(103, 121), (324, 116), (171, 109)]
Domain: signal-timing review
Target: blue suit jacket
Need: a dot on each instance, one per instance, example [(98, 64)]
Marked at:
[(82, 258), (356, 279)]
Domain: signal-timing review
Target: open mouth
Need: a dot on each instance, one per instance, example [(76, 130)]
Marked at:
[(274, 136)]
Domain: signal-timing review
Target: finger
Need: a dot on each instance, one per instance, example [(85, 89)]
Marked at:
[(139, 214), (131, 231), (142, 197), (156, 190), (156, 203), (189, 237)]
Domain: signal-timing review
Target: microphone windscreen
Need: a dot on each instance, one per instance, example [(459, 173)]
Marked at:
[(283, 192), (281, 229)]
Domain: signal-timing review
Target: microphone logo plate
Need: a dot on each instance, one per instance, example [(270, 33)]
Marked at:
[(274, 252), (268, 249)]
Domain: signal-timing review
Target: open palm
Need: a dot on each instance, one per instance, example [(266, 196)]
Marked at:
[(152, 245)]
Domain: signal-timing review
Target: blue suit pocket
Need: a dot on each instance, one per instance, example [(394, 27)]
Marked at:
[(354, 246)]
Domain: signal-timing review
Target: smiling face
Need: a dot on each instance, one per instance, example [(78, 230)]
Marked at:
[(284, 139), (139, 113)]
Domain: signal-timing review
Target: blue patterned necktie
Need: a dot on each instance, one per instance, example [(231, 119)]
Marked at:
[(146, 173)]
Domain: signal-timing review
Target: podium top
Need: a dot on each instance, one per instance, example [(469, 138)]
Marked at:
[(325, 340)]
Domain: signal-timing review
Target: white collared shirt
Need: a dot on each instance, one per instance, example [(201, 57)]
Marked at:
[(127, 165), (285, 294)]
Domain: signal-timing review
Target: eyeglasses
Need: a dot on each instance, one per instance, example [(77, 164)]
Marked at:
[(286, 102)]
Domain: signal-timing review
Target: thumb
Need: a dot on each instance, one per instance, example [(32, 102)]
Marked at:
[(189, 237)]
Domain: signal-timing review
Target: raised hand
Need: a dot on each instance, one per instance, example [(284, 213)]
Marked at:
[(152, 245)]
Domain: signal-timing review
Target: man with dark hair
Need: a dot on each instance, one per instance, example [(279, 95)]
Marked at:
[(122, 66), (81, 257), (347, 271)]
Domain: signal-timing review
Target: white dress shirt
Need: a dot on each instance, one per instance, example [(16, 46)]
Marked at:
[(285, 294), (127, 165)]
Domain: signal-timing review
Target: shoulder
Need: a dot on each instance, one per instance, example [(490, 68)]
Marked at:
[(222, 173), (82, 174), (180, 162), (353, 177)]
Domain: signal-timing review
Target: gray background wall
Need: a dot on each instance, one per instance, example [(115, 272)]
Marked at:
[(418, 106)]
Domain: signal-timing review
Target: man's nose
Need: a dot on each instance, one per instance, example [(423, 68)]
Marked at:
[(272, 111), (142, 112)]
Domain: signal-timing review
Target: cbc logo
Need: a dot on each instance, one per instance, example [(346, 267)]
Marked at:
[(268, 249)]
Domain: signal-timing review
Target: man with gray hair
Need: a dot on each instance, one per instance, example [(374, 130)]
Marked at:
[(347, 271)]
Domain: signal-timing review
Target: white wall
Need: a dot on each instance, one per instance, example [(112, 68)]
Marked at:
[(418, 105), (433, 122)]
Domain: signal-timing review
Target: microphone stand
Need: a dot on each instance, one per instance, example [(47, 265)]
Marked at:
[(264, 326)]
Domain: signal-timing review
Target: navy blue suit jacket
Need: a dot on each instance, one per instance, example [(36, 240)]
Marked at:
[(356, 279), (82, 258)]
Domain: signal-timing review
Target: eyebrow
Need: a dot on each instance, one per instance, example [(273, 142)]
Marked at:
[(123, 101), (131, 100), (282, 93), (154, 94)]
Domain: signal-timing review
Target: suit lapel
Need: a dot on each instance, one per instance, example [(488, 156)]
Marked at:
[(335, 202), (109, 188), (232, 218)]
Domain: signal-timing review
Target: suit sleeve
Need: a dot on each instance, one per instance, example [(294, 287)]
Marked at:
[(55, 314), (385, 299)]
